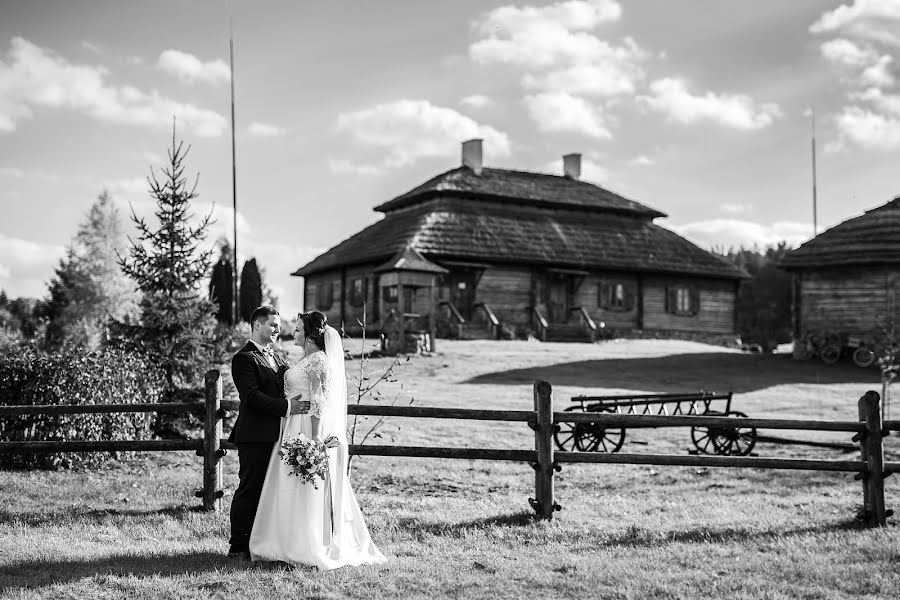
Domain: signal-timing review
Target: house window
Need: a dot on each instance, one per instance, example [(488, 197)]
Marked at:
[(325, 296), (358, 291), (616, 295), (682, 300), (389, 294), (409, 298)]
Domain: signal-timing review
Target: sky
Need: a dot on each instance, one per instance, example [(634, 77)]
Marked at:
[(701, 109)]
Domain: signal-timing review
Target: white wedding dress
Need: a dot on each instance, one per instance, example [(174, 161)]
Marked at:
[(295, 522)]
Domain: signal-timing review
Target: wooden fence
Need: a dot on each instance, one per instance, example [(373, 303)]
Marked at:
[(869, 432)]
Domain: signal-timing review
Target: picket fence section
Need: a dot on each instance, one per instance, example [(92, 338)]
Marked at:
[(868, 431)]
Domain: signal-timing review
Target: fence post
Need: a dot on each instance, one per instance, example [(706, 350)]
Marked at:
[(543, 502), (864, 457), (212, 434), (869, 406)]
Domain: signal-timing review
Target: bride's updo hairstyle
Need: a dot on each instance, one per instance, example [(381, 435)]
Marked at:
[(314, 324)]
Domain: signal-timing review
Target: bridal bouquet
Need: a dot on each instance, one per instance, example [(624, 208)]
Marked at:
[(306, 458)]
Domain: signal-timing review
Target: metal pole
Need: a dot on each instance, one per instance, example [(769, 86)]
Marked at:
[(234, 292), (815, 224)]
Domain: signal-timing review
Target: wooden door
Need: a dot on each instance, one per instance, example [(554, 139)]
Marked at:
[(462, 291), (558, 299)]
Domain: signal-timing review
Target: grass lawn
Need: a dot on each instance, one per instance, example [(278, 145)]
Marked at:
[(461, 529)]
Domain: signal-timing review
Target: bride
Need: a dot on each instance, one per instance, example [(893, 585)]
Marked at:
[(297, 523)]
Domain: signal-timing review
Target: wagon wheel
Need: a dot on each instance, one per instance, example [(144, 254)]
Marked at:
[(727, 441), (566, 432), (830, 353), (594, 437), (863, 357)]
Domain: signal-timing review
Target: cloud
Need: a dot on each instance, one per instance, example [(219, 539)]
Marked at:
[(17, 173), (340, 167), (738, 111), (476, 101), (733, 233), (257, 129), (542, 36), (889, 103), (27, 264), (408, 130), (843, 51), (734, 209), (558, 112), (35, 77), (190, 69), (641, 161), (872, 68), (869, 129), (604, 79), (153, 157), (859, 11), (879, 74), (92, 47)]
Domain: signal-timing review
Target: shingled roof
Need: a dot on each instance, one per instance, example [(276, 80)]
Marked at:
[(463, 229), (521, 188), (869, 239)]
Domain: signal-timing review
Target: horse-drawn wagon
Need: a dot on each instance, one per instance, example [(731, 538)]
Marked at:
[(601, 437)]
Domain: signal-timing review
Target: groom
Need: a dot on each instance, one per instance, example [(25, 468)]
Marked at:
[(258, 375)]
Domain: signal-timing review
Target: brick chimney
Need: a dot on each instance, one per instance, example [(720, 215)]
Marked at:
[(572, 166), (471, 155)]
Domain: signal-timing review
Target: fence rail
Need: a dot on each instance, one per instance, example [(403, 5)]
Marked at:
[(868, 432)]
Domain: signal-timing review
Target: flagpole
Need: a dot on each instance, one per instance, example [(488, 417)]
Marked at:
[(815, 208), (234, 288)]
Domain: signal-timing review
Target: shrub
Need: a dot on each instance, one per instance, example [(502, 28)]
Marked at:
[(69, 376)]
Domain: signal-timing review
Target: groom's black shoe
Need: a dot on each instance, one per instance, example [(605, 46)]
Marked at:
[(240, 556)]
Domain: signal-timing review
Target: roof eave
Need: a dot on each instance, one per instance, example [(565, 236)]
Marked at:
[(404, 201)]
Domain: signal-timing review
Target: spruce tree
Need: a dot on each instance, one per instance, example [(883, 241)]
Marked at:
[(250, 293), (62, 293), (221, 284), (3, 299), (177, 321)]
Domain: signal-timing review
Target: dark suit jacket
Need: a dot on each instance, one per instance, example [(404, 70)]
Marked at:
[(261, 390)]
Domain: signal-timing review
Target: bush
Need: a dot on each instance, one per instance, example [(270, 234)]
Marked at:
[(66, 377)]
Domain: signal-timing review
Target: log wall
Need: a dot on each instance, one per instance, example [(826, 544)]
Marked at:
[(847, 301), (716, 314)]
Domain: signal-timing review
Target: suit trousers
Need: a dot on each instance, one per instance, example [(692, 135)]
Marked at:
[(254, 461)]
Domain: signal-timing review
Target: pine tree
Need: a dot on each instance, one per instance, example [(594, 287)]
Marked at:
[(221, 284), (177, 321), (3, 299), (251, 289)]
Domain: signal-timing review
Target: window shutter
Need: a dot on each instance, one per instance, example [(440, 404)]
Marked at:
[(671, 299), (629, 296), (602, 293), (695, 300)]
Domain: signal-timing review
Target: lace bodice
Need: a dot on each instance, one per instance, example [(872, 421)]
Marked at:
[(308, 377)]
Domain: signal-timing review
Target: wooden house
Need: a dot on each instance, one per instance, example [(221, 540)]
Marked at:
[(845, 281), (513, 252)]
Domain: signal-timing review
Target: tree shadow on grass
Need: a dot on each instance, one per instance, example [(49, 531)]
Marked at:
[(33, 574), (718, 371), (632, 536), (640, 537), (460, 529), (92, 516)]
